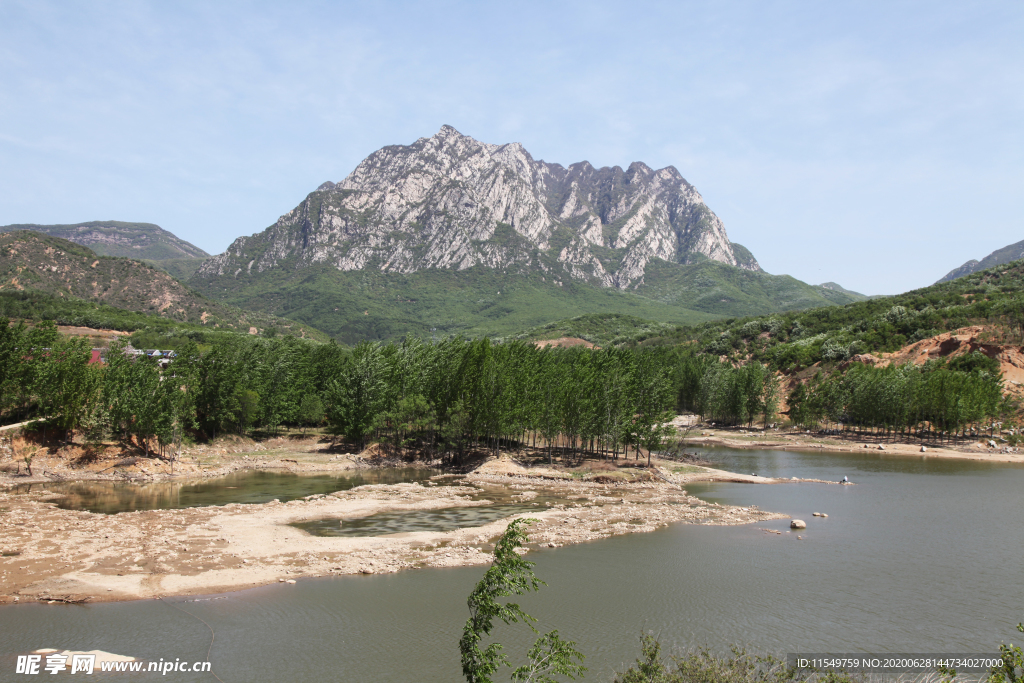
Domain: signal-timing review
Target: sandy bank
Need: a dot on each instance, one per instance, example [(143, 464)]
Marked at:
[(51, 554), (977, 449)]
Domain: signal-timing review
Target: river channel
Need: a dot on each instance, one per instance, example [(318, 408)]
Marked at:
[(921, 555)]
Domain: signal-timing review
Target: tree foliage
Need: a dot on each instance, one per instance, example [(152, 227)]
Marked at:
[(938, 397), (447, 398), (508, 575)]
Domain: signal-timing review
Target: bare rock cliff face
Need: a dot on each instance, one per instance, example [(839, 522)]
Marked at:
[(450, 201)]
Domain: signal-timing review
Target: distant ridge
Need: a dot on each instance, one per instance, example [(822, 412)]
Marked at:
[(839, 289), (998, 257), (32, 262), (143, 241)]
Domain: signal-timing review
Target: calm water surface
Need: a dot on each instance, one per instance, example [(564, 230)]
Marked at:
[(920, 556), (249, 486)]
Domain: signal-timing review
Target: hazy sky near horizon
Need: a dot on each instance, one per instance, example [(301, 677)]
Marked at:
[(874, 144)]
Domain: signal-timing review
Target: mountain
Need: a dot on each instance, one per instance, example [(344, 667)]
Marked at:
[(34, 262), (450, 201), (142, 241), (453, 235), (998, 257), (840, 294)]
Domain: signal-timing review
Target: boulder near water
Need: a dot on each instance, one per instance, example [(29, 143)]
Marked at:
[(798, 524)]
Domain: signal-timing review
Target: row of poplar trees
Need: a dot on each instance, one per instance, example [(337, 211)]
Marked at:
[(932, 400), (450, 396), (444, 398)]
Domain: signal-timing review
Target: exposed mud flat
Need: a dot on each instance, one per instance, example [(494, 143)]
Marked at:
[(50, 554)]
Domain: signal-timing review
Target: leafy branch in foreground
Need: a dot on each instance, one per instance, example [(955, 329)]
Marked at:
[(510, 574), (703, 666), (1012, 670)]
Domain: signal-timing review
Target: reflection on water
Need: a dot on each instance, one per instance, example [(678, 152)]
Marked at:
[(402, 521), (250, 486)]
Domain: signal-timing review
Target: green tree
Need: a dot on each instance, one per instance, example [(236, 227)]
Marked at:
[(770, 398), (31, 356), (703, 666), (1012, 670), (508, 575), (132, 394), (66, 383), (11, 338), (797, 399), (357, 396), (248, 403), (311, 411), (181, 389)]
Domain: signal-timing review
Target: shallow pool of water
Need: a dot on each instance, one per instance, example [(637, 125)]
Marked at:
[(248, 486), (403, 521)]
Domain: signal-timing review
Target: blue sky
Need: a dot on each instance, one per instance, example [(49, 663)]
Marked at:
[(877, 145)]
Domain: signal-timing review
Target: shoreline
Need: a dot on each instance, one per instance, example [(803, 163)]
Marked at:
[(72, 556), (310, 455), (811, 443)]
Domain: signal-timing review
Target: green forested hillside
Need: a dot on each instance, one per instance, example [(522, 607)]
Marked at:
[(49, 278), (603, 329), (717, 288), (369, 304), (179, 268), (800, 338), (142, 241)]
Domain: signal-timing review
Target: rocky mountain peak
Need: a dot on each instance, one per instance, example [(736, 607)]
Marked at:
[(447, 131), (450, 201)]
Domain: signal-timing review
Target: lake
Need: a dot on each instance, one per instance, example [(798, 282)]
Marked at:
[(921, 555)]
